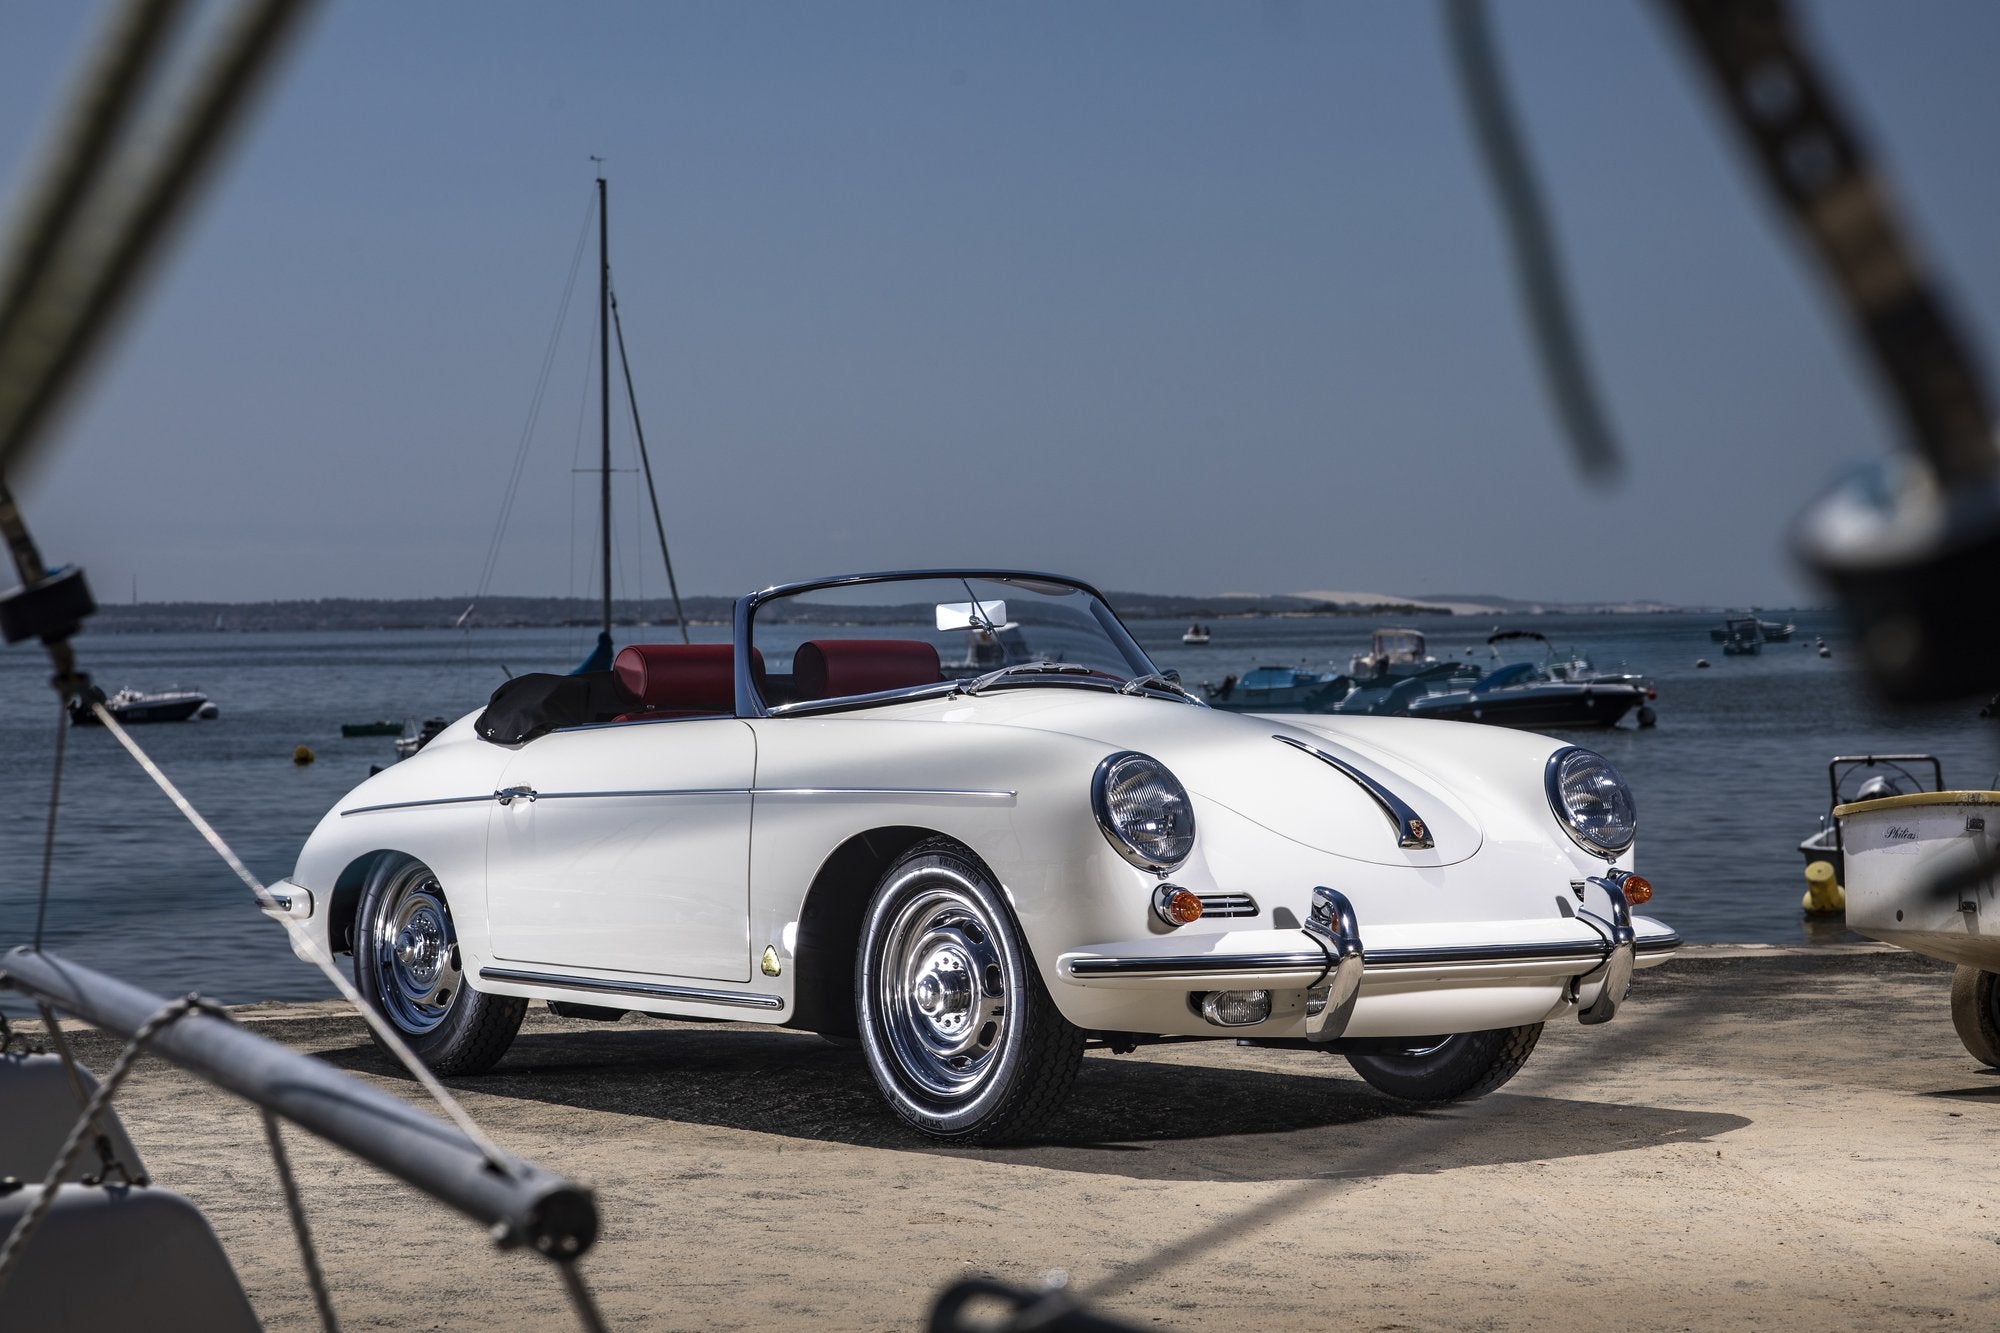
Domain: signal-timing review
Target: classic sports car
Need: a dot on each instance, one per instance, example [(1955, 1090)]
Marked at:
[(960, 816)]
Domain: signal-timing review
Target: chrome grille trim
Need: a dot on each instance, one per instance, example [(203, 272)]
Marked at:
[(1227, 905)]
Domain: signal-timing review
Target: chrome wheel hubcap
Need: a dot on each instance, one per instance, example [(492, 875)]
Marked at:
[(941, 989), (416, 953)]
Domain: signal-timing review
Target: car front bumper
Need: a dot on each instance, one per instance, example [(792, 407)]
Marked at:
[(1337, 976)]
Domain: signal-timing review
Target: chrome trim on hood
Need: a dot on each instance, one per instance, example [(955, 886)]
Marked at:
[(1411, 831)]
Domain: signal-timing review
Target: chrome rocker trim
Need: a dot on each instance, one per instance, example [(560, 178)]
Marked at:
[(638, 989)]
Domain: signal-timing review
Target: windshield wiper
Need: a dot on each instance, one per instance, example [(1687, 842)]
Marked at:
[(978, 683), (1155, 680)]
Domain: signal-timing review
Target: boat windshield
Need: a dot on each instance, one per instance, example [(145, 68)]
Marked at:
[(901, 635)]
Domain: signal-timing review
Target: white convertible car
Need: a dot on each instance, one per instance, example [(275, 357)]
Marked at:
[(960, 816)]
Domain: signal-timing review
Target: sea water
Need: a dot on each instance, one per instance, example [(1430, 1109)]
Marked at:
[(1728, 782)]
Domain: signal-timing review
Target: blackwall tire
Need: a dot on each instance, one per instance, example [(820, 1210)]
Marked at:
[(406, 966), (958, 1030), (1456, 1069), (1975, 1012)]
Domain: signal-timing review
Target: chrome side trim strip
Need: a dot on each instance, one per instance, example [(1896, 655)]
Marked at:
[(643, 791), (1666, 943), (641, 989), (1411, 831), (484, 798), (1313, 964), (959, 793)]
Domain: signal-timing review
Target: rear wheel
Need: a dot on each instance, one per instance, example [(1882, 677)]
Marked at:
[(406, 965), (1975, 1012), (1457, 1068), (959, 1032)]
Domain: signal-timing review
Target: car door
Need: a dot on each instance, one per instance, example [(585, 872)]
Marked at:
[(626, 848)]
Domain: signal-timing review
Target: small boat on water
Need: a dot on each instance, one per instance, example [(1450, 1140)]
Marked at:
[(1750, 627), (1562, 691), (377, 728), (1196, 635), (1276, 689), (1823, 847), (415, 737), (1392, 654), (132, 707)]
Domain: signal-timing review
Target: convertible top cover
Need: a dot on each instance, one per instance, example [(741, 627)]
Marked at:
[(538, 703)]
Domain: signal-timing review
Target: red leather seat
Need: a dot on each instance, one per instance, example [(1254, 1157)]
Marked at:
[(681, 679), (836, 668)]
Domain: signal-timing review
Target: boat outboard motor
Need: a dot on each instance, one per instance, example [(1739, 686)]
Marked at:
[(1877, 787)]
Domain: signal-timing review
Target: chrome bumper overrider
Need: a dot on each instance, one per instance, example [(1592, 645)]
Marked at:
[(1333, 962)]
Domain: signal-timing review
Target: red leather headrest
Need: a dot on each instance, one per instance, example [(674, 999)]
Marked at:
[(836, 668), (695, 676)]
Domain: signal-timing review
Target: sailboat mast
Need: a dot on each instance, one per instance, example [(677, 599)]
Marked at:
[(604, 386)]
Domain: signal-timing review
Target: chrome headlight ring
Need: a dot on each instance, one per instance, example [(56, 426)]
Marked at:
[(1591, 802), (1143, 810)]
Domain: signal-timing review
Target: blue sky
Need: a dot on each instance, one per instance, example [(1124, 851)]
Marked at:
[(1175, 297)]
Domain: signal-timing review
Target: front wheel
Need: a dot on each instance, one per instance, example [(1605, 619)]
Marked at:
[(406, 965), (1457, 1068), (958, 1030), (1975, 1012)]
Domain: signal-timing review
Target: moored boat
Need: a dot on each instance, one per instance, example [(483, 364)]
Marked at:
[(1196, 635), (132, 707), (376, 728)]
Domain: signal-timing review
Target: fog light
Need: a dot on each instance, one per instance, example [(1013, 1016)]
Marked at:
[(1236, 1008), (1176, 906), (1638, 889)]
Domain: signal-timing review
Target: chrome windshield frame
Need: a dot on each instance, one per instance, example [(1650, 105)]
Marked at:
[(750, 704)]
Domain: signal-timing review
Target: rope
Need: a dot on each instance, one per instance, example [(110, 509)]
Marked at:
[(309, 1256), (310, 950), (24, 1230), (580, 1299), (53, 1028), (1536, 262), (49, 837), (128, 196)]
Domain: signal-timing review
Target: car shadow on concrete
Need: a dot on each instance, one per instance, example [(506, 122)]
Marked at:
[(1305, 1116)]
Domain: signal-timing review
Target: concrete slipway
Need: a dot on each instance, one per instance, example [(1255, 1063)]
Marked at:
[(1764, 1139)]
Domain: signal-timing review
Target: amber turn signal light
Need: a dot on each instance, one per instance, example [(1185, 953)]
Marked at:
[(1176, 906), (1638, 890)]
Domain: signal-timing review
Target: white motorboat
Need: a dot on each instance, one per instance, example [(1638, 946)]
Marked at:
[(1923, 872)]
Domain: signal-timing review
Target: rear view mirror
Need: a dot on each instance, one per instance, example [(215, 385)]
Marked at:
[(971, 615)]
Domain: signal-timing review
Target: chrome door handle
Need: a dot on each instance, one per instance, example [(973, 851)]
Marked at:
[(506, 795)]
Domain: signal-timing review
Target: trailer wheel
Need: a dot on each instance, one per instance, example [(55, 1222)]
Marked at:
[(1975, 1012)]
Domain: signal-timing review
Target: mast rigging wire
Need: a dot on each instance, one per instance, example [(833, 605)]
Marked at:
[(645, 462), (493, 547)]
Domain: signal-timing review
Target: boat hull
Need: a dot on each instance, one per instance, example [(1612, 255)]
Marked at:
[(1561, 707), (1903, 854)]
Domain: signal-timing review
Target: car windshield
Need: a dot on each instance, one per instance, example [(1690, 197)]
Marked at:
[(901, 635)]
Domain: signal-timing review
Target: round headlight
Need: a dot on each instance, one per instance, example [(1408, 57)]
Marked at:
[(1592, 802), (1143, 810)]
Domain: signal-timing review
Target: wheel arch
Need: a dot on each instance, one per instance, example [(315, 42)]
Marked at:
[(830, 924), (344, 904)]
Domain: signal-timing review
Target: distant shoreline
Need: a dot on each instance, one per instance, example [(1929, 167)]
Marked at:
[(303, 615)]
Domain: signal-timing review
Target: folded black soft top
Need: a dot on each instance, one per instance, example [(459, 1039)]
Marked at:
[(538, 703)]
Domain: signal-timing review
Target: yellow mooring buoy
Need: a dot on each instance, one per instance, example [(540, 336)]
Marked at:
[(302, 756), (1823, 896)]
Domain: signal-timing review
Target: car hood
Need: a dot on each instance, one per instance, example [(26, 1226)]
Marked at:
[(1235, 760)]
